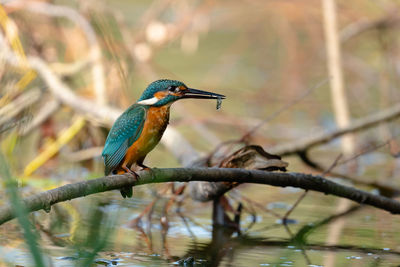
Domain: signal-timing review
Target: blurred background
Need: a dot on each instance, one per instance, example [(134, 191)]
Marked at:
[(67, 67)]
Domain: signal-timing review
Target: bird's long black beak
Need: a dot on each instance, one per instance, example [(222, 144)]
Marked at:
[(194, 93)]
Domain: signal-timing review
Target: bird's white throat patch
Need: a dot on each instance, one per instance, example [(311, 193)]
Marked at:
[(148, 102)]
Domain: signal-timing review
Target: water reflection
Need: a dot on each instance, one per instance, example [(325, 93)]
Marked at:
[(222, 245), (227, 244), (186, 236)]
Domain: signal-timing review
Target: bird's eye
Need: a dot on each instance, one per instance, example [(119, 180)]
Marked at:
[(173, 89)]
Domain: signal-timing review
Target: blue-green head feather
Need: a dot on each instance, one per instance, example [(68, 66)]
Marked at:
[(159, 85), (165, 92), (168, 86)]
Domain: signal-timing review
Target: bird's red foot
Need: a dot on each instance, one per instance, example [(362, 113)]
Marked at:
[(131, 172)]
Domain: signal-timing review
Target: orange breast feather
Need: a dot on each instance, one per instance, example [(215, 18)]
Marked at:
[(156, 122)]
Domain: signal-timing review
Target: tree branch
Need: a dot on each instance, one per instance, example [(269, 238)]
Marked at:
[(385, 188), (46, 199), (325, 137)]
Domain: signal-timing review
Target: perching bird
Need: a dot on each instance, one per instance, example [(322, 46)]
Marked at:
[(139, 129)]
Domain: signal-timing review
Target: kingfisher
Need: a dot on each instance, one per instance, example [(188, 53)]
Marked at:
[(139, 128)]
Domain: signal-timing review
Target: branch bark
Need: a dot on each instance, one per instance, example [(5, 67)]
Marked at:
[(46, 199)]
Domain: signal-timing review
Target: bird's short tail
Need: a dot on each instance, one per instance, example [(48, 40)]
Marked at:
[(126, 191)]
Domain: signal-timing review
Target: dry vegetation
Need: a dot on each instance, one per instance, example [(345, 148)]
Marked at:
[(69, 68)]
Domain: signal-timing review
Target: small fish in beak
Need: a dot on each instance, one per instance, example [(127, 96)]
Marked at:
[(199, 94)]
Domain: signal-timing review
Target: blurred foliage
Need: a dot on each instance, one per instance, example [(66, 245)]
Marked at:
[(11, 188), (260, 54)]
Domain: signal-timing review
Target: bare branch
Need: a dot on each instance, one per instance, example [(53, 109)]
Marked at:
[(385, 188), (284, 108), (64, 94), (95, 51), (325, 137), (46, 199)]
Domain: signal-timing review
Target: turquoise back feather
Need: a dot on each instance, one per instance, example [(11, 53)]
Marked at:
[(125, 131)]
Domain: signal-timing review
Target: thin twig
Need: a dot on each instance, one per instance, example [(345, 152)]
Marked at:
[(284, 108), (286, 216), (361, 124), (386, 189), (362, 153)]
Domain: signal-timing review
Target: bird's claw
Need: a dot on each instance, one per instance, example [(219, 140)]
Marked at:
[(134, 174)]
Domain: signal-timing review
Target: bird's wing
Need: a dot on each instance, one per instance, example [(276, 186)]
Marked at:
[(125, 131)]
